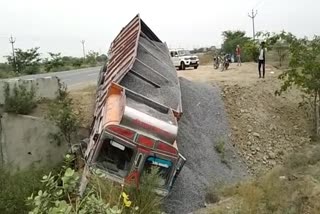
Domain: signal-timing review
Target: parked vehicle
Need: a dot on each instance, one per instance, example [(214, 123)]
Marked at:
[(136, 114), (216, 62), (225, 62), (183, 59)]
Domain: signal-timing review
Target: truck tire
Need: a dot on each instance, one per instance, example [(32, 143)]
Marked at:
[(195, 67), (182, 66)]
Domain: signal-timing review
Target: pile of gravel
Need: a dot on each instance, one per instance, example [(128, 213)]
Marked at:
[(202, 126), (154, 63)]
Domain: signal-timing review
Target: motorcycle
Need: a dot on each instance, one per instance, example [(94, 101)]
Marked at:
[(216, 62), (225, 63)]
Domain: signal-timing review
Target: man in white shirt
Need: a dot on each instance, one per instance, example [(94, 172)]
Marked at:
[(262, 59)]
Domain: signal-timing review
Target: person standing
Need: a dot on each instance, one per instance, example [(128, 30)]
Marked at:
[(262, 59), (238, 53)]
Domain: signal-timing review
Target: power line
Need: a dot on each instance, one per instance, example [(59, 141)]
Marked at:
[(252, 16)]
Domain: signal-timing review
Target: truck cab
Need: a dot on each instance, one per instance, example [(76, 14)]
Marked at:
[(183, 59), (136, 134)]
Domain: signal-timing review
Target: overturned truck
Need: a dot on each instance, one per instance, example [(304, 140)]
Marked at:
[(137, 108)]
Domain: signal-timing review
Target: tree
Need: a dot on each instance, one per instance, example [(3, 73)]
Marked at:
[(56, 61), (91, 57), (102, 58), (26, 61), (282, 49), (232, 39), (278, 42), (304, 72), (64, 116)]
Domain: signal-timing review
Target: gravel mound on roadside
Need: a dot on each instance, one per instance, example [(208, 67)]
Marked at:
[(203, 125)]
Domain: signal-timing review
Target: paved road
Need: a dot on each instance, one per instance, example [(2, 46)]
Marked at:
[(73, 78)]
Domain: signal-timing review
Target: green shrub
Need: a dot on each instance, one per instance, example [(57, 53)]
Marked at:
[(144, 198), (59, 195), (32, 69), (15, 188), (62, 114), (21, 100), (7, 74)]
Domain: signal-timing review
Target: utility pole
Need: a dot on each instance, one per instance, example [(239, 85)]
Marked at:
[(12, 41), (84, 52), (252, 16)]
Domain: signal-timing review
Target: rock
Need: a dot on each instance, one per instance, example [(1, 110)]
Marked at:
[(249, 130), (249, 143), (272, 127), (253, 148), (272, 162), (255, 134), (282, 177), (272, 155), (258, 149)]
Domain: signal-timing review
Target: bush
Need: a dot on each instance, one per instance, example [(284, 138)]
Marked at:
[(292, 188), (32, 69), (62, 114), (21, 100), (14, 189), (5, 67), (59, 195), (7, 74)]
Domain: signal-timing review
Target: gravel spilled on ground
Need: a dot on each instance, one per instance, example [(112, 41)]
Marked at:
[(202, 126)]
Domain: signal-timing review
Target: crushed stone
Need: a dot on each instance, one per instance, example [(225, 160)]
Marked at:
[(203, 126)]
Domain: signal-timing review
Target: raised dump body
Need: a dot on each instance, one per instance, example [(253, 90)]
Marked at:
[(138, 105)]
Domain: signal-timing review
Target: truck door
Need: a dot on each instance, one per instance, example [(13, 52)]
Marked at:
[(175, 58), (135, 174), (179, 166)]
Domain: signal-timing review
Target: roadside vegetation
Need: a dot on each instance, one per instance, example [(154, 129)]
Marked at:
[(30, 62), (60, 194), (62, 113), (16, 188), (20, 99), (293, 186)]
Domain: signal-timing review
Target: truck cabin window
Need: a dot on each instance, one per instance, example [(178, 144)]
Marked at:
[(163, 166), (114, 158)]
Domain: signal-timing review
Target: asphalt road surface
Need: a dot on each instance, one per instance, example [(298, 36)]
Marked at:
[(73, 78)]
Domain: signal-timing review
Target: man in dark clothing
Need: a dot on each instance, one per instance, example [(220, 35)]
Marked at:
[(262, 60)]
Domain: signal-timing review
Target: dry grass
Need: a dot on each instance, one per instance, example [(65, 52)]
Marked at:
[(292, 188), (206, 58), (84, 101)]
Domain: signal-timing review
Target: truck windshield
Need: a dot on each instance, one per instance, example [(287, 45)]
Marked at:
[(164, 168), (114, 157)]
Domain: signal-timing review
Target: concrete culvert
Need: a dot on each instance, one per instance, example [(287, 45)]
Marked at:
[(202, 126)]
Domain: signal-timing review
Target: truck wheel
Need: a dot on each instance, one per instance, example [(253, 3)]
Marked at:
[(182, 66), (195, 67)]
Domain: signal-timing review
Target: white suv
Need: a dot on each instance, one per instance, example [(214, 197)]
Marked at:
[(183, 59)]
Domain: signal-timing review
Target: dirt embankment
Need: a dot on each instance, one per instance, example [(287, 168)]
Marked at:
[(265, 127)]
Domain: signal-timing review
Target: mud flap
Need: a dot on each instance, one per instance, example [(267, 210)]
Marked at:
[(180, 164)]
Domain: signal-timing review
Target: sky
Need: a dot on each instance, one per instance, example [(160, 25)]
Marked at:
[(60, 25)]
